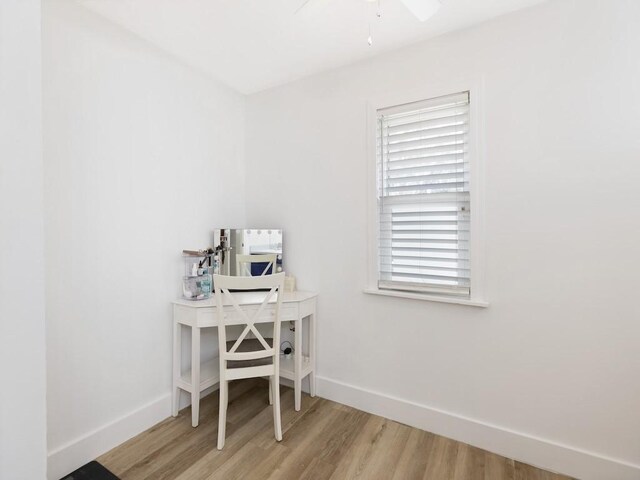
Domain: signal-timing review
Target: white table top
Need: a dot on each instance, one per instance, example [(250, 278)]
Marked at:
[(246, 298)]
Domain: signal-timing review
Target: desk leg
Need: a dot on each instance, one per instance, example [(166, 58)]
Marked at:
[(297, 360), (177, 344), (195, 376), (312, 354)]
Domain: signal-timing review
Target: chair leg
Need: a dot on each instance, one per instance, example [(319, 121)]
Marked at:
[(270, 392), (277, 422), (222, 416)]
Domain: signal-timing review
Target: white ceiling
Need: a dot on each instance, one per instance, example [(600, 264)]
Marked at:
[(252, 45)]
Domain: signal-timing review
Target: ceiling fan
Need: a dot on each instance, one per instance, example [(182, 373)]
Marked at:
[(422, 9)]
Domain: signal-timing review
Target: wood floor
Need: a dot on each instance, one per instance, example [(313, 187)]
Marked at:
[(325, 440)]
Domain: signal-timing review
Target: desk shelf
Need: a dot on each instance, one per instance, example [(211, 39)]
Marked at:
[(287, 367), (209, 376)]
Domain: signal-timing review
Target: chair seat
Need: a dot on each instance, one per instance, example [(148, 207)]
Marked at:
[(249, 345)]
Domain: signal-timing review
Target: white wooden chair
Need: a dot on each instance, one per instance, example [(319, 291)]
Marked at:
[(243, 263), (249, 357)]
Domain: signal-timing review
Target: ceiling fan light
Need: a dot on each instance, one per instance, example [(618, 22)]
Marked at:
[(423, 9)]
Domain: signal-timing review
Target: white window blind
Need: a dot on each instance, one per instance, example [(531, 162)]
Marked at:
[(423, 196)]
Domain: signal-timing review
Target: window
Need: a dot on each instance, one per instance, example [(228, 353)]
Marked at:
[(424, 197)]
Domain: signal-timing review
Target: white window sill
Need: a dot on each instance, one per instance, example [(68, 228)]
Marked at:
[(429, 298)]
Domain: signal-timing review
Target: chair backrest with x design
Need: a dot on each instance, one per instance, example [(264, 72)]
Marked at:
[(243, 263), (251, 355)]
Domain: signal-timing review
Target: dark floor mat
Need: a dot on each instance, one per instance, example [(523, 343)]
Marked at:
[(91, 471)]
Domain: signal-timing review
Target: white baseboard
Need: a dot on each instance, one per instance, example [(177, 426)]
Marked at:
[(72, 455), (525, 448)]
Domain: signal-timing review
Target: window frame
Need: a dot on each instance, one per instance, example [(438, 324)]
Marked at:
[(476, 187)]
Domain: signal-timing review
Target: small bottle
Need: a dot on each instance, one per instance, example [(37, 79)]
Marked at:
[(205, 285), (216, 265)]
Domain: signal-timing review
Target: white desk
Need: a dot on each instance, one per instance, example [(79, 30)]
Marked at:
[(296, 306)]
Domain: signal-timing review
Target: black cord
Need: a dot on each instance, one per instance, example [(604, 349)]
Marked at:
[(283, 348)]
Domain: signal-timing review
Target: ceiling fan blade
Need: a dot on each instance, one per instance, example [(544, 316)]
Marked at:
[(423, 9), (302, 5)]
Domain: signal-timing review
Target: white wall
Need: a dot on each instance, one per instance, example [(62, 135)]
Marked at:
[(549, 372), (22, 326), (143, 157)]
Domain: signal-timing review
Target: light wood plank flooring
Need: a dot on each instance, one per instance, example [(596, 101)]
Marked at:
[(325, 440)]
